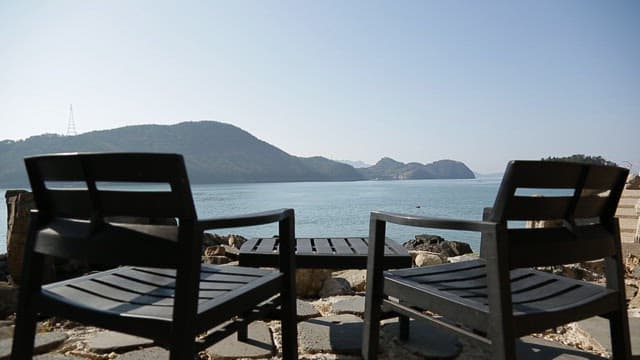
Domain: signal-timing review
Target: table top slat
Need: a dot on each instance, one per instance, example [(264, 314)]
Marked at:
[(322, 246), (323, 252), (267, 245), (303, 246), (342, 246), (359, 245)]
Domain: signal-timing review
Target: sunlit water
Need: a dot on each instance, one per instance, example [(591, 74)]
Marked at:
[(342, 208)]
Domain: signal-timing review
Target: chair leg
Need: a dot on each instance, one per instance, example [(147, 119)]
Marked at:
[(182, 348), (243, 332), (289, 326), (504, 347), (619, 330), (25, 332), (375, 291), (27, 314), (404, 327), (371, 332)]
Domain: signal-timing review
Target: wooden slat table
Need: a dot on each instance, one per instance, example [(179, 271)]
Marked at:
[(323, 252)]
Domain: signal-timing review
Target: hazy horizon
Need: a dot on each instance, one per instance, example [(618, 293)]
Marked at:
[(481, 83)]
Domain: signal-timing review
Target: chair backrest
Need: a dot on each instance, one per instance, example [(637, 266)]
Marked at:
[(578, 201), (86, 189)]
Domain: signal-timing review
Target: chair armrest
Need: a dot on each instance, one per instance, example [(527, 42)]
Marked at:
[(432, 222), (286, 232), (260, 218)]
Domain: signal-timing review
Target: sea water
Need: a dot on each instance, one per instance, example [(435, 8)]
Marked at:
[(341, 209)]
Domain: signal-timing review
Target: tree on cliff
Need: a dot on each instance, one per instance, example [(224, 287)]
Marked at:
[(583, 159)]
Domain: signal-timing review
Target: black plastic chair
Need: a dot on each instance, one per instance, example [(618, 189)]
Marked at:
[(162, 291), (501, 296)]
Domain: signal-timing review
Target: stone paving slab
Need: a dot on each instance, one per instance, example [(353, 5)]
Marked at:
[(532, 348), (6, 332), (306, 310), (44, 342), (110, 341), (425, 340), (599, 328), (349, 305), (339, 334), (152, 353), (259, 344)]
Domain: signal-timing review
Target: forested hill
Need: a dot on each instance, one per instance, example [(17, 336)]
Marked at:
[(214, 152), (389, 169)]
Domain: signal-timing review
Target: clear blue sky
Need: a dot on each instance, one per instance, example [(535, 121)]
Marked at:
[(476, 81)]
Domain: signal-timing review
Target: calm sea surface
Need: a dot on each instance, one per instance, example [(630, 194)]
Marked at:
[(342, 208)]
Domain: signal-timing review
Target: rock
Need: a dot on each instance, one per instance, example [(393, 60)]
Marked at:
[(357, 278), (426, 258), (455, 248), (310, 281), (335, 286), (231, 252), (634, 303), (423, 242), (631, 263), (209, 239), (8, 299), (236, 241), (574, 271), (215, 250), (595, 266), (630, 292), (215, 260), (465, 257), (436, 244)]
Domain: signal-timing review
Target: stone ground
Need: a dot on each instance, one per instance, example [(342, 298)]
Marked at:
[(328, 328)]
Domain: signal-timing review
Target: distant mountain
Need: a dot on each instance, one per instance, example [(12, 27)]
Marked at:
[(356, 164), (214, 152), (389, 169)]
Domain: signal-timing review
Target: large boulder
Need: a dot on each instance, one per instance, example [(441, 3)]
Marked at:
[(437, 244), (357, 278), (309, 282), (426, 258), (335, 286)]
